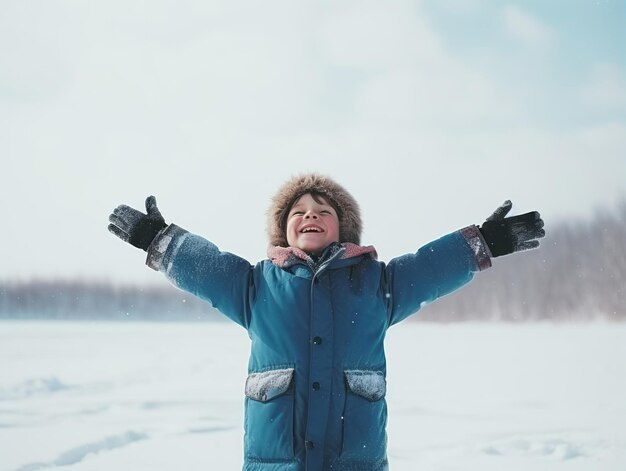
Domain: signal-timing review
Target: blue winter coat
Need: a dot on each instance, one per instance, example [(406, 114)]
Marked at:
[(315, 394)]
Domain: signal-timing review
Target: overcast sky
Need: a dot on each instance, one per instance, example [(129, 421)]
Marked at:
[(430, 113)]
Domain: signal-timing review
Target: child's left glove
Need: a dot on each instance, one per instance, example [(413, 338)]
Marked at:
[(513, 234), (135, 227)]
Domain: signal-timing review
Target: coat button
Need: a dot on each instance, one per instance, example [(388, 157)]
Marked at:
[(317, 340), (316, 386), (309, 444)]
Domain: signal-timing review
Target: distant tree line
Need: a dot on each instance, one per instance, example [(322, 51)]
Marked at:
[(88, 300), (579, 273)]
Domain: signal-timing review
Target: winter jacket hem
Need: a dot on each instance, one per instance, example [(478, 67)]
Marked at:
[(252, 464), (341, 465)]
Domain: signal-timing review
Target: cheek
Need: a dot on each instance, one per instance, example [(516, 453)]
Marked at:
[(290, 231), (333, 231)]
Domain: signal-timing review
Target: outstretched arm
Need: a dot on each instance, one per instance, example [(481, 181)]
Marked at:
[(448, 263), (190, 262)]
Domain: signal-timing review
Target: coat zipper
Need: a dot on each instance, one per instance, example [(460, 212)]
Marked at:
[(319, 270)]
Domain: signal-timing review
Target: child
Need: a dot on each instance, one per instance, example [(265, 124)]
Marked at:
[(317, 312)]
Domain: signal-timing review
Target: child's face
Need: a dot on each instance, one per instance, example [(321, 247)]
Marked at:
[(312, 225)]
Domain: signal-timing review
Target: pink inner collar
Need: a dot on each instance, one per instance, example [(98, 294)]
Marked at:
[(281, 256)]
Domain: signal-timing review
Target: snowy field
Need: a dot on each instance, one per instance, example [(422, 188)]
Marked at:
[(143, 396)]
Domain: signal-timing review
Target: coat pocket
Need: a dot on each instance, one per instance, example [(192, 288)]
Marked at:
[(365, 415), (269, 415)]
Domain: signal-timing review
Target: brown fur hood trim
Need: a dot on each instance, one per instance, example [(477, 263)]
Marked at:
[(350, 225)]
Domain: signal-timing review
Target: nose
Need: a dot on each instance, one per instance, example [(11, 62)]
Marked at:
[(310, 215)]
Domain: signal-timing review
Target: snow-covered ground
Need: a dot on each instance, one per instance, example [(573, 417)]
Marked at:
[(143, 396)]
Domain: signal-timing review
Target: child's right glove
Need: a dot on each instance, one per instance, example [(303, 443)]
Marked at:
[(135, 227), (513, 234)]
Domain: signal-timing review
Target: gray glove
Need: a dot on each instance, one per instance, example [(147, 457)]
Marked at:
[(135, 227), (514, 234)]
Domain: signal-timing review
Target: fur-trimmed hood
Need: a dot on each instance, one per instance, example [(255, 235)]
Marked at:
[(350, 225)]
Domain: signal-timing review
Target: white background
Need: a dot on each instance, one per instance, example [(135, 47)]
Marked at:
[(430, 113)]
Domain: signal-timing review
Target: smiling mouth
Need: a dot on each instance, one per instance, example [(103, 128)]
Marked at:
[(309, 230)]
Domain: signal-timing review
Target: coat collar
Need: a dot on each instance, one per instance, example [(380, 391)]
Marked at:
[(285, 257)]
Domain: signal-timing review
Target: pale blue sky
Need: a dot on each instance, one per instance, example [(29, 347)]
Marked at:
[(430, 113)]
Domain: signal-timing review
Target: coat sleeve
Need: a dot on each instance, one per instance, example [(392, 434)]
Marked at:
[(435, 270), (197, 266)]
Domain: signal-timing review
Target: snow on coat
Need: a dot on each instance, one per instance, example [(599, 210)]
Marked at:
[(315, 394)]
